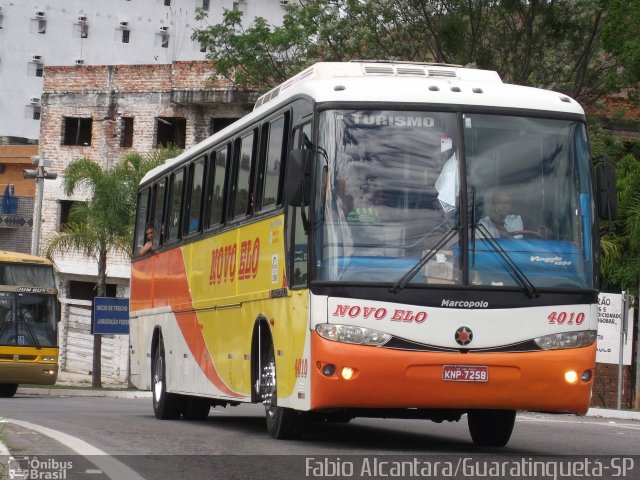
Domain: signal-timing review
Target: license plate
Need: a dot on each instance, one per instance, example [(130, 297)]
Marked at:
[(465, 373)]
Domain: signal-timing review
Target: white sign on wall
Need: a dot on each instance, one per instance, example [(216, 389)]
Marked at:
[(609, 326)]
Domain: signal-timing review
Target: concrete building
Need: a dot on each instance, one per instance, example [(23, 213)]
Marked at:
[(37, 33), (16, 207), (101, 112)]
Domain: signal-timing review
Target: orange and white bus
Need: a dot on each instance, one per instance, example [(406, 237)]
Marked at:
[(28, 322), (376, 240)]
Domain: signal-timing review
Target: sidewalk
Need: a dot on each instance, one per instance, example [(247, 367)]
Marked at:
[(80, 386)]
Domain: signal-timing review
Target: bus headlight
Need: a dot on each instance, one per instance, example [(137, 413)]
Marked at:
[(351, 334), (557, 341)]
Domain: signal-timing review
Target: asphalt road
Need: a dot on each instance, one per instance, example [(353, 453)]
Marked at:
[(234, 443)]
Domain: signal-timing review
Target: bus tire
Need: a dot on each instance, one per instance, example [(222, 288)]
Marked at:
[(8, 390), (166, 406), (491, 428), (282, 423), (196, 408)]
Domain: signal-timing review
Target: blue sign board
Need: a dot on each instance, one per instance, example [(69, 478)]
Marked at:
[(110, 316)]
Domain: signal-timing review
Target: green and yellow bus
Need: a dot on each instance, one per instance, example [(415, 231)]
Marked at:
[(29, 316)]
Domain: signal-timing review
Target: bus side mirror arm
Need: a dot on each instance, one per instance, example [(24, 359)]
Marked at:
[(298, 183)]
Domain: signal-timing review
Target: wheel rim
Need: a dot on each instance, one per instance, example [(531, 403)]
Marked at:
[(157, 378), (268, 386)]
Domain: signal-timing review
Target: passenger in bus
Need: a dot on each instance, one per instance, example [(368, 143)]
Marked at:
[(500, 222), (148, 240)]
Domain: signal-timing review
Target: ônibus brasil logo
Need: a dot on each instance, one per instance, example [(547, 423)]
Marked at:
[(463, 336)]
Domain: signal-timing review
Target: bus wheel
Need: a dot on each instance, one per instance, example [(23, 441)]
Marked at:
[(282, 423), (166, 406), (491, 428), (196, 408), (8, 390)]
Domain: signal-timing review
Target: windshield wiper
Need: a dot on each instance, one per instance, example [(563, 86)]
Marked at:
[(29, 328), (406, 278), (530, 288)]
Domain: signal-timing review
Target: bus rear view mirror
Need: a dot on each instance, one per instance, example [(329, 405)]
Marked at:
[(298, 186), (606, 190)]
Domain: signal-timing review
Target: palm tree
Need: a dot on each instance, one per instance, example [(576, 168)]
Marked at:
[(103, 224)]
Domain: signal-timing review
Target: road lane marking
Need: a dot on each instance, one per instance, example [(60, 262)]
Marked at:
[(111, 467)]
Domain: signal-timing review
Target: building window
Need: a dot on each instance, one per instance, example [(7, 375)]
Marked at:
[(125, 36), (167, 3), (84, 30), (205, 4), (35, 68), (42, 26), (77, 131), (164, 40), (171, 131), (36, 113), (217, 124), (126, 136), (65, 210), (242, 6), (88, 290)]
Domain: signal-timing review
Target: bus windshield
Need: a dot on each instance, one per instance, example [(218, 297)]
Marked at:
[(28, 320), (390, 198), (28, 313)]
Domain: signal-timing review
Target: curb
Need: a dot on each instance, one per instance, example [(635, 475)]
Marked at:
[(614, 414), (73, 392)]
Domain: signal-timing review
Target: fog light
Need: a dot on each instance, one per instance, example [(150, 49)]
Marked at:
[(571, 376), (328, 370), (47, 372), (347, 373), (586, 375)]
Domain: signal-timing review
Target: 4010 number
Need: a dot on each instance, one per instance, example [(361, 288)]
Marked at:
[(301, 367), (570, 318)]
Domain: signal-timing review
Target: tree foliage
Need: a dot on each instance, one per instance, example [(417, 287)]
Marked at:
[(584, 48), (104, 223), (553, 44)]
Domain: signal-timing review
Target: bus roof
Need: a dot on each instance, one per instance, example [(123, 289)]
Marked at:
[(17, 257), (403, 83)]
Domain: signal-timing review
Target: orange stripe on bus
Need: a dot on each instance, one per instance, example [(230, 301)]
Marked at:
[(169, 285)]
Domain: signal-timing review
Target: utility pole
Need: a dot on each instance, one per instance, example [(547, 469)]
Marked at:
[(40, 175)]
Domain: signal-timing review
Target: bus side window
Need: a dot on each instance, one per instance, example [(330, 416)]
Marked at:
[(305, 141), (270, 176), (159, 191), (299, 252), (194, 200), (242, 193), (142, 217), (174, 205), (217, 189)]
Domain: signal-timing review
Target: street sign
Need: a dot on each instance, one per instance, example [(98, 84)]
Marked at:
[(609, 330), (110, 316)]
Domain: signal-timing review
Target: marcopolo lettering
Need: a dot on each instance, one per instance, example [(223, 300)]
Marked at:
[(464, 303)]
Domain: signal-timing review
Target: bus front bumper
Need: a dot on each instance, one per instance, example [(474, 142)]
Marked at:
[(19, 367), (383, 378)]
